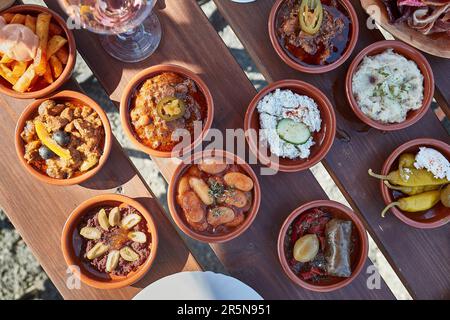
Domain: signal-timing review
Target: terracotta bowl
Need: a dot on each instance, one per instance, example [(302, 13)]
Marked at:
[(177, 213), (324, 139), (6, 87), (136, 82), (283, 54), (409, 53), (31, 110), (72, 257), (358, 257), (433, 218)]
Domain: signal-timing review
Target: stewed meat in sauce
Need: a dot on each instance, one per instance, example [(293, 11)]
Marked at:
[(113, 240), (64, 139), (164, 105), (320, 43), (215, 197)]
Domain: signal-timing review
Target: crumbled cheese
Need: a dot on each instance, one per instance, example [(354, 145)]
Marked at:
[(282, 104), (433, 161)]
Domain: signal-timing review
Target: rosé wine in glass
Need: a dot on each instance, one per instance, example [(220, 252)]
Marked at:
[(129, 30)]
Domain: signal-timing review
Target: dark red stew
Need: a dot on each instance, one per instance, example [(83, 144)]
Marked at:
[(323, 47)]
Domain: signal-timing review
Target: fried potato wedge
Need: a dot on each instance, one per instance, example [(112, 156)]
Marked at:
[(55, 43), (8, 17), (19, 68), (18, 19), (63, 55), (48, 77), (24, 82), (42, 31), (30, 22), (56, 67), (6, 73)]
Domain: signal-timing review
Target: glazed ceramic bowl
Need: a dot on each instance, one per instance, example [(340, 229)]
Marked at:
[(71, 250), (32, 110), (409, 53), (433, 218), (324, 139), (134, 85), (285, 56), (177, 213), (6, 87), (358, 256)]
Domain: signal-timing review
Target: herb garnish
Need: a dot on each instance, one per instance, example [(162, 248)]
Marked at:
[(216, 189)]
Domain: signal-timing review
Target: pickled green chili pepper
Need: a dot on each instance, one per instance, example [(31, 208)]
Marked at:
[(171, 108), (406, 161), (417, 203), (416, 178), (311, 16), (411, 191)]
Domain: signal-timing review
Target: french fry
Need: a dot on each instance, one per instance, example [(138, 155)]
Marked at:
[(8, 17), (42, 27), (18, 19), (19, 68), (30, 22), (55, 30), (63, 55), (5, 59), (6, 73), (48, 76), (56, 66), (55, 43), (25, 80)]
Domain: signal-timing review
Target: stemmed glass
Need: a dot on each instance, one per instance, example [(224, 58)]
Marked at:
[(129, 29)]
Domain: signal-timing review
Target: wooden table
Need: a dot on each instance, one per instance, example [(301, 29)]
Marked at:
[(191, 41)]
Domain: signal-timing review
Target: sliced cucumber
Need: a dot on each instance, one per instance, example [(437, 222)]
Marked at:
[(293, 132)]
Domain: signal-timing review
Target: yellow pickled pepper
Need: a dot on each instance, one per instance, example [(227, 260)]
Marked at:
[(416, 203), (411, 191), (416, 178)]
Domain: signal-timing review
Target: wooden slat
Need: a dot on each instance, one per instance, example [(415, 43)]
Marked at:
[(39, 211), (418, 256), (189, 40)]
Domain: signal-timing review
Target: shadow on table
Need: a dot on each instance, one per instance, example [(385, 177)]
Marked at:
[(116, 172), (167, 261)]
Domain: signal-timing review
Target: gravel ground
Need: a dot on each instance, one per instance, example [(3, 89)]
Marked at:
[(21, 277)]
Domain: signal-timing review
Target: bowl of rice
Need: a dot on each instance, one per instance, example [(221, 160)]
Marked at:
[(290, 126), (431, 155)]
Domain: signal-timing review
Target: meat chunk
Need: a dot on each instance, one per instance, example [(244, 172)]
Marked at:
[(55, 123), (29, 132), (50, 107)]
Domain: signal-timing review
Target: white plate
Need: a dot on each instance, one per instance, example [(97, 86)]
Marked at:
[(198, 286)]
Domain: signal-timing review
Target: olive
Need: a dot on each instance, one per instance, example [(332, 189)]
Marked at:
[(445, 196), (306, 248), (46, 153), (62, 138)]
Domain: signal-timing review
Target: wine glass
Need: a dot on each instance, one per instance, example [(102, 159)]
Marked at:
[(129, 29)]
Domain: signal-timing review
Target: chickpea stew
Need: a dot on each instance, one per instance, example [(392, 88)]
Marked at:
[(215, 197)]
